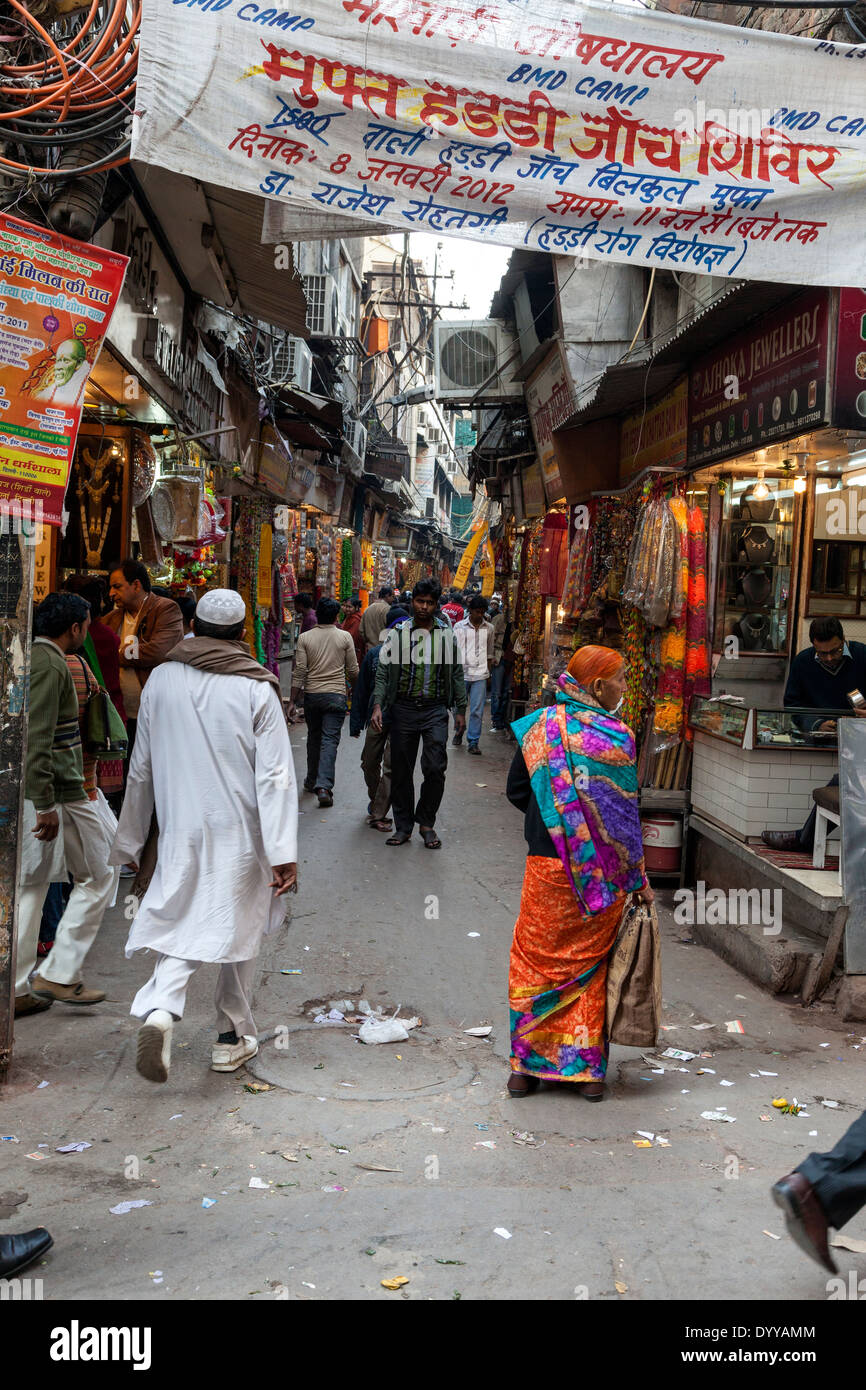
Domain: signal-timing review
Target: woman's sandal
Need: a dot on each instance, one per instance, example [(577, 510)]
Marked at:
[(520, 1086), (401, 838), (431, 839), (589, 1093), (380, 824)]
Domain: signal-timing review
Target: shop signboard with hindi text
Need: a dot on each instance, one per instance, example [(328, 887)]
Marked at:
[(657, 436), (583, 129), (549, 402), (767, 383), (57, 296), (849, 394)]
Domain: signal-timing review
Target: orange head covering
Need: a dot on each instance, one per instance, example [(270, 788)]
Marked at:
[(594, 663)]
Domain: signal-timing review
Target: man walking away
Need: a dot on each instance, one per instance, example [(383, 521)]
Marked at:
[(305, 611), (476, 642), (373, 621), (418, 680), (826, 1190), (65, 831), (376, 754), (148, 628), (213, 760), (324, 661)]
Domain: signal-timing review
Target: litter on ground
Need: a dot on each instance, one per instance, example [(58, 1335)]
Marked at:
[(735, 1026), (501, 1231), (123, 1207), (76, 1147), (396, 1283), (208, 1202), (717, 1115), (843, 1242)]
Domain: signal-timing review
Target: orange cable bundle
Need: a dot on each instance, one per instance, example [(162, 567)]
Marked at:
[(94, 72)]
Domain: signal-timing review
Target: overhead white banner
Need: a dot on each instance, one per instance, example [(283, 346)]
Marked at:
[(580, 129)]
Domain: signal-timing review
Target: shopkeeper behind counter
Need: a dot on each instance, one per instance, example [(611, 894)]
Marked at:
[(821, 677)]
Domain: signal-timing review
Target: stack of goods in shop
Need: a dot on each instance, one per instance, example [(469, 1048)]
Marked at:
[(384, 569), (287, 559), (307, 551), (326, 560)]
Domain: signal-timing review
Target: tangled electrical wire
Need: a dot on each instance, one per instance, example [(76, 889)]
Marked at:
[(66, 79)]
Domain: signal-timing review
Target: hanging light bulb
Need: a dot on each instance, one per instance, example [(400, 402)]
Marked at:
[(760, 490), (800, 482)]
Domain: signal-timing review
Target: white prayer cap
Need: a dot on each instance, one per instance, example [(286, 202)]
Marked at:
[(222, 607)]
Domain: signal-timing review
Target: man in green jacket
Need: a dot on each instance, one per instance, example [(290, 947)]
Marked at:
[(418, 679), (63, 830)]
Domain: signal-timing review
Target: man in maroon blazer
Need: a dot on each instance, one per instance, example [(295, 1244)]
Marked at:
[(147, 627)]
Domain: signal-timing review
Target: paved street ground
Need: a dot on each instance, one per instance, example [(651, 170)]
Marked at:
[(589, 1213)]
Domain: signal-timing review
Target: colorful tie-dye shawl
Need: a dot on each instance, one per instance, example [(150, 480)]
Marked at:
[(581, 765)]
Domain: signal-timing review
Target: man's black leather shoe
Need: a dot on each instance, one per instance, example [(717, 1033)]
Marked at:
[(17, 1252)]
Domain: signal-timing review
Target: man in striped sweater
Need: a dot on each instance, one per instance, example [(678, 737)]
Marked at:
[(64, 831)]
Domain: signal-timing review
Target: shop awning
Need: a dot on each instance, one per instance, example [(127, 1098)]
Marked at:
[(323, 409), (228, 260), (304, 432), (626, 384)]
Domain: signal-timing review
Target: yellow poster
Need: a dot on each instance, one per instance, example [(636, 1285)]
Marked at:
[(488, 569), (468, 557)]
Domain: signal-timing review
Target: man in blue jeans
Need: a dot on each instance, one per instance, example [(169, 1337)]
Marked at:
[(475, 642), (325, 661)]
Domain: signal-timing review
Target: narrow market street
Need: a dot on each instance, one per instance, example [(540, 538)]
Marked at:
[(408, 1159)]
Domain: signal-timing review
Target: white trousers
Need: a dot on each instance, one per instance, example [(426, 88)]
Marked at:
[(85, 854), (167, 987)]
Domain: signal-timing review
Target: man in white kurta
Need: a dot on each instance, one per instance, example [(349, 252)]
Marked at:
[(212, 758)]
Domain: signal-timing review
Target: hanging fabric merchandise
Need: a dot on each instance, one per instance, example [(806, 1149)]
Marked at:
[(553, 554), (669, 709), (357, 564), (345, 588), (697, 681), (575, 592), (634, 650)]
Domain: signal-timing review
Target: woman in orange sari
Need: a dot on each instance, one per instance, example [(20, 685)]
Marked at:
[(575, 779)]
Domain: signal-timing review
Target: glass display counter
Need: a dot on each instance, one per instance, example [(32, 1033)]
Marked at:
[(754, 769), (814, 730), (797, 728), (721, 718)]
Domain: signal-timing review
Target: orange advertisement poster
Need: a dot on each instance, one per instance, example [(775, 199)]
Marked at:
[(57, 296)]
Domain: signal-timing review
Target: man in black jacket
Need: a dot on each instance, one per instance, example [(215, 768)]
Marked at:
[(376, 754), (821, 677)]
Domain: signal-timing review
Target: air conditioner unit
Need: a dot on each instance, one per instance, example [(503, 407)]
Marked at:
[(323, 306), (467, 354), (355, 435), (293, 363)]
